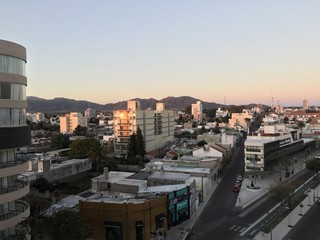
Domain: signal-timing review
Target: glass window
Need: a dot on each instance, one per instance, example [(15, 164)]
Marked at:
[(14, 65), (11, 117), (12, 91)]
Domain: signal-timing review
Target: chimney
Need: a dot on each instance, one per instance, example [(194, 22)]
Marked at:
[(106, 173)]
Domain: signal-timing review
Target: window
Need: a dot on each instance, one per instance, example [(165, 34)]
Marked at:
[(113, 230), (160, 221), (139, 230)]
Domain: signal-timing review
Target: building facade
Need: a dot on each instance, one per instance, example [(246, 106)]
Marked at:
[(157, 126), (196, 111), (126, 219), (266, 149), (14, 134), (69, 122)]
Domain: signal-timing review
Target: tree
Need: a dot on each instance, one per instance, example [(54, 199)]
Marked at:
[(60, 141), (132, 146), (81, 148), (300, 125), (42, 185), (80, 131), (286, 120), (65, 224), (136, 145), (96, 155), (141, 147), (281, 192), (202, 143), (313, 164)]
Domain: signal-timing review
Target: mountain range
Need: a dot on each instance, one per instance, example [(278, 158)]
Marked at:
[(61, 105)]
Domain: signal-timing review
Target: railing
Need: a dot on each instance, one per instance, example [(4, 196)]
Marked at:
[(19, 185), (16, 162), (19, 208), (21, 231)]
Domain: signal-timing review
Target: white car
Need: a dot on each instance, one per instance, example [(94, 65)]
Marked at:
[(239, 178)]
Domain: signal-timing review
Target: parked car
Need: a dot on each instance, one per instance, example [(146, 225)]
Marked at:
[(239, 178), (236, 187)]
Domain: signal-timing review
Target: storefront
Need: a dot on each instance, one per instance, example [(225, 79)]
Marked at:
[(179, 206)]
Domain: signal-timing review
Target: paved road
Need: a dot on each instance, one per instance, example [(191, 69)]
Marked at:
[(221, 219), (308, 228)]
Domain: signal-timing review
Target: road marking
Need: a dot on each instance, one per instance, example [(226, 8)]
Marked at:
[(237, 228), (244, 228), (232, 227)]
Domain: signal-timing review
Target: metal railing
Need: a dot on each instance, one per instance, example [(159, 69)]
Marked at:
[(19, 185), (20, 207), (17, 161)]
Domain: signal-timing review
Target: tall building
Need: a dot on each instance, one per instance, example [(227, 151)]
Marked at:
[(90, 113), (305, 104), (69, 122), (196, 111), (14, 134), (157, 126)]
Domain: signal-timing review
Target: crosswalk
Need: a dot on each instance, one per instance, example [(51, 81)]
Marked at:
[(237, 228)]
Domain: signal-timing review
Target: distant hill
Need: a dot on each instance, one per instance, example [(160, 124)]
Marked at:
[(60, 105)]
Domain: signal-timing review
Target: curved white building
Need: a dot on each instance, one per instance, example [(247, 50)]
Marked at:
[(14, 133)]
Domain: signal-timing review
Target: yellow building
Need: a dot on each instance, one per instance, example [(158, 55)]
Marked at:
[(69, 122), (157, 126)]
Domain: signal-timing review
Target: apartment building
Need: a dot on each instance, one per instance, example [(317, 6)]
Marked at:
[(157, 126), (69, 122), (90, 113), (240, 119), (14, 134), (196, 111)]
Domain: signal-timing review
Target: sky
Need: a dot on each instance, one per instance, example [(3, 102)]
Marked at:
[(230, 51)]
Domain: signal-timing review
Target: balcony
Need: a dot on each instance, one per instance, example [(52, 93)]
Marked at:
[(13, 217), (19, 190), (21, 231), (14, 167)]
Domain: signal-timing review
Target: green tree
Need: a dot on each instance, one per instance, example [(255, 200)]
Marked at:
[(42, 185), (81, 148), (281, 192), (80, 131), (65, 224), (141, 147), (132, 146), (313, 164), (202, 143), (60, 141), (286, 119), (136, 145)]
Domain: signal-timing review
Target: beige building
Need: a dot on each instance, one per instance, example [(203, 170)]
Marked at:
[(240, 119), (196, 111), (14, 134), (69, 122), (157, 126)]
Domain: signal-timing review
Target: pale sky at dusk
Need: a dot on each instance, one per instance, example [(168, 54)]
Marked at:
[(107, 51)]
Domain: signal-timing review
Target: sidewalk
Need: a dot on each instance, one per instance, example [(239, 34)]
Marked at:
[(247, 197), (182, 230)]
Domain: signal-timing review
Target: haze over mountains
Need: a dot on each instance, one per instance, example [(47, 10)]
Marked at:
[(36, 104)]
